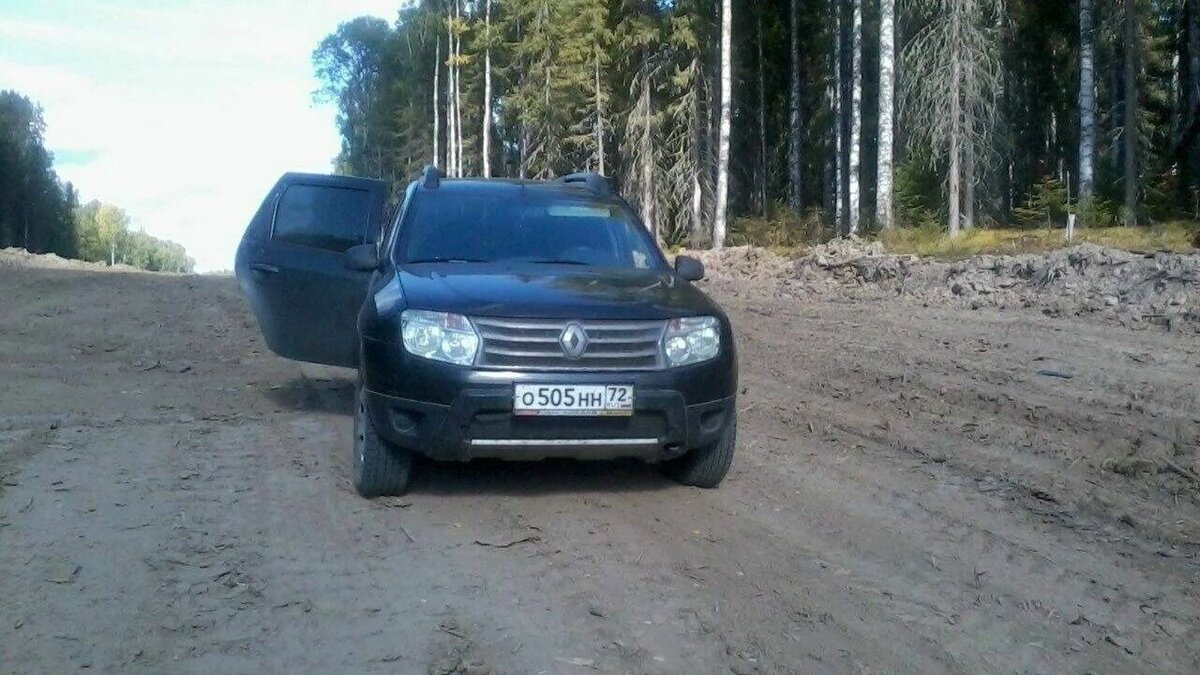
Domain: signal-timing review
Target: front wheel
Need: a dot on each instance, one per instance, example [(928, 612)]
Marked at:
[(378, 469), (705, 467)]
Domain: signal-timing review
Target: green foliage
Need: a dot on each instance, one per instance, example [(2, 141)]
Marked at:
[(105, 236), (1046, 205), (780, 229), (654, 103), (35, 206), (917, 193), (40, 213), (1097, 212)]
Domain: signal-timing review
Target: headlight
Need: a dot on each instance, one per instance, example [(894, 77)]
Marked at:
[(439, 336), (691, 340)]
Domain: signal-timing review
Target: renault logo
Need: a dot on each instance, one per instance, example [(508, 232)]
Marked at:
[(574, 341)]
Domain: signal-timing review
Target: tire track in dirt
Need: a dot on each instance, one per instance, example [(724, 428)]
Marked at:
[(895, 533)]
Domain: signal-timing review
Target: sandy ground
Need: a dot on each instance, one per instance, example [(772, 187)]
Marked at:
[(910, 495)]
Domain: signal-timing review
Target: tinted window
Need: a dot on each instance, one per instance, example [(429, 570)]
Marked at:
[(526, 227), (323, 217)]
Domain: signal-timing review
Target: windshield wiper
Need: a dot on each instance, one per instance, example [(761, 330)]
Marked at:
[(447, 259), (556, 261)]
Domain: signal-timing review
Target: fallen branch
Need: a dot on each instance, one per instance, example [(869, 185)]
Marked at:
[(1182, 471), (1055, 373), (509, 544)]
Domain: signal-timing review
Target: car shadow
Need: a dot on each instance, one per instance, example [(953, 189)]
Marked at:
[(528, 479), (305, 394), (335, 395)]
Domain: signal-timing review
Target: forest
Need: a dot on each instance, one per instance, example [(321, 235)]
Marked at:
[(784, 121), (42, 214)]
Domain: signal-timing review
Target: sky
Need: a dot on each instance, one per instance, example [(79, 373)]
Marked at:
[(182, 112)]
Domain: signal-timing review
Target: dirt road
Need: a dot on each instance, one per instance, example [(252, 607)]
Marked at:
[(917, 489)]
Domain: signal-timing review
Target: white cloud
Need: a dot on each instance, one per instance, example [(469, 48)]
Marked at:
[(185, 118)]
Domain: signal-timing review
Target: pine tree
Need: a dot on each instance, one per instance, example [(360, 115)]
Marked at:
[(685, 92), (794, 132), (955, 55), (1129, 136)]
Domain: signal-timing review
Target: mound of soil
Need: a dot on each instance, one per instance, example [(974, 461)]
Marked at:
[(19, 257), (1161, 288)]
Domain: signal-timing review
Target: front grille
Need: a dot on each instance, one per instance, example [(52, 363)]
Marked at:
[(534, 344)]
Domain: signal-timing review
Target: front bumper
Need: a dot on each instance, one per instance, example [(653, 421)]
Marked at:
[(448, 412)]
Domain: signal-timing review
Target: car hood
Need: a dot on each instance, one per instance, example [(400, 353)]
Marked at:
[(551, 291)]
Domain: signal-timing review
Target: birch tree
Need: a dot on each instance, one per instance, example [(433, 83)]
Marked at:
[(486, 143), (719, 218), (459, 60), (839, 116), (853, 185), (437, 112), (451, 135), (884, 216), (1087, 102)]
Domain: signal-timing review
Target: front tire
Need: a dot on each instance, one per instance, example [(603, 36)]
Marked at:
[(378, 469), (705, 467)]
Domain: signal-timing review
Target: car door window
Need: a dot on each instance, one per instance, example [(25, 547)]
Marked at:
[(316, 216)]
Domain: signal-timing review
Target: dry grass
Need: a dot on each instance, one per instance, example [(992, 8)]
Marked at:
[(1176, 237)]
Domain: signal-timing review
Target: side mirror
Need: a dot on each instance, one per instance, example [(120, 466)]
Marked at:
[(689, 268), (364, 258)]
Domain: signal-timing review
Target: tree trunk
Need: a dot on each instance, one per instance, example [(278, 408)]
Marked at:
[(719, 222), (486, 149), (1131, 113), (1191, 147), (1087, 101), (437, 113), (887, 105), (698, 162), (795, 158), (1193, 87), (599, 116), (762, 124), (968, 182), (458, 140), (451, 153), (523, 159), (955, 143), (840, 118), (647, 159), (967, 141), (854, 186)]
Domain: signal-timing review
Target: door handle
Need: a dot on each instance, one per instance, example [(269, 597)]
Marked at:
[(264, 268)]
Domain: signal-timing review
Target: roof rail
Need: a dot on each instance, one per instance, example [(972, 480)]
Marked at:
[(594, 182), (431, 178)]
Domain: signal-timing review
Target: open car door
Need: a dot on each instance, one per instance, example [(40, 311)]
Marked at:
[(290, 264)]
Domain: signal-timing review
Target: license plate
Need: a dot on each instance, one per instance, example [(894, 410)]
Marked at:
[(582, 400)]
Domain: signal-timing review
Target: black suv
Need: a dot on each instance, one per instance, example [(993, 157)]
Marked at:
[(495, 318)]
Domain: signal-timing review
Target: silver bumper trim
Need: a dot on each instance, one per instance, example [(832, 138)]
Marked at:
[(553, 442)]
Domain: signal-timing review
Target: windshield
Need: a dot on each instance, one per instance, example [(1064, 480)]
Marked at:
[(526, 227)]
